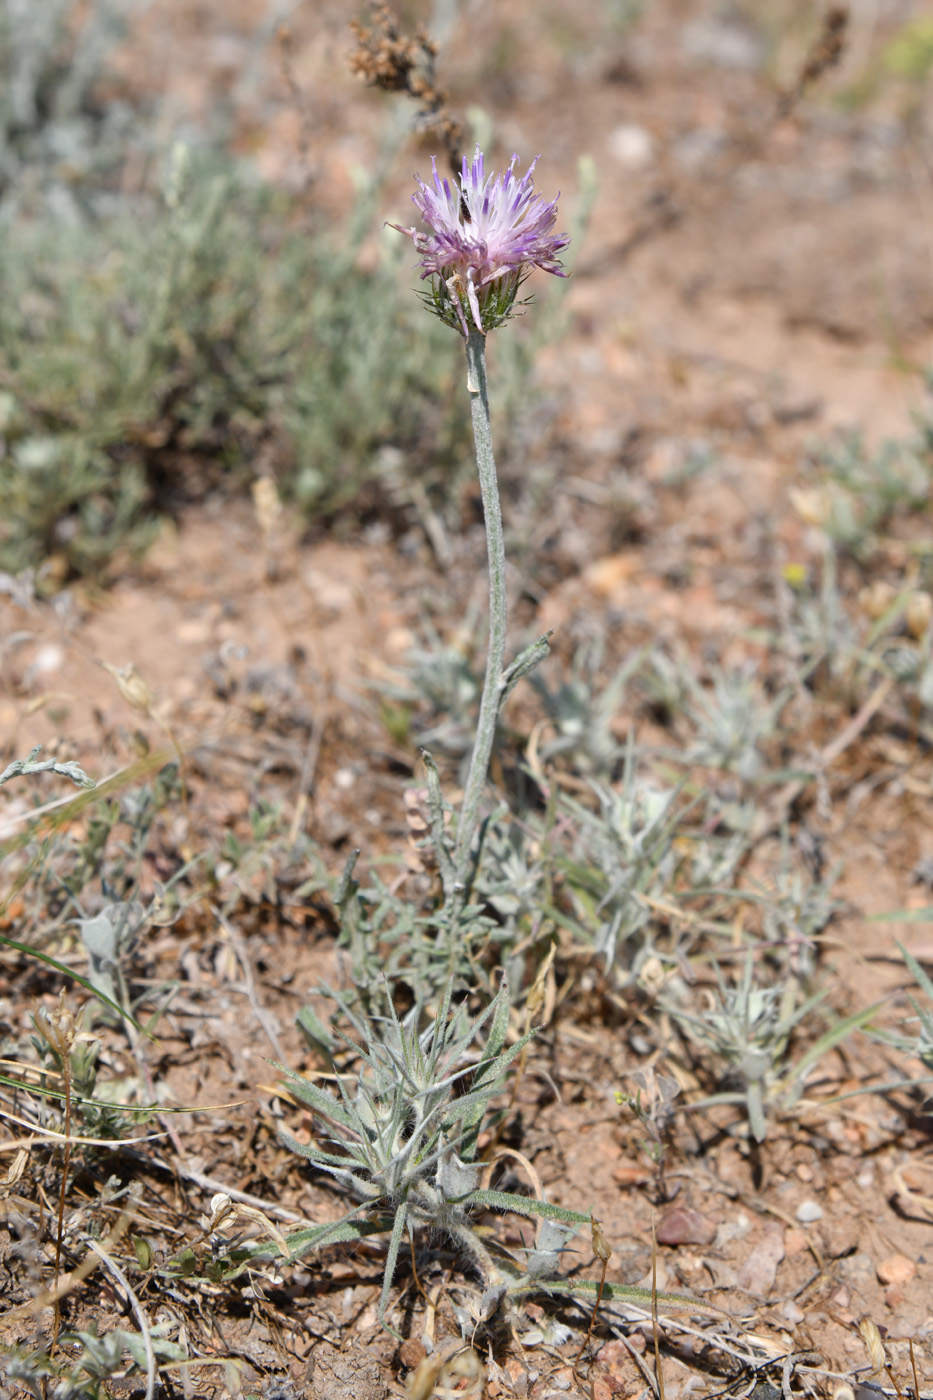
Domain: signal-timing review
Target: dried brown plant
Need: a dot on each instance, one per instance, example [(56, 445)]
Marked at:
[(824, 54), (386, 58)]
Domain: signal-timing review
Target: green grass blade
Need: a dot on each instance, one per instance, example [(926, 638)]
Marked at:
[(75, 977), (148, 1108), (831, 1038), (921, 977)]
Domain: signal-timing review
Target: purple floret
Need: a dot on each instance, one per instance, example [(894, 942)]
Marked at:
[(486, 237)]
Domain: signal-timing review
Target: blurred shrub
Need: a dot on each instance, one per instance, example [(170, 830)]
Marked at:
[(62, 144), (910, 53), (187, 337)]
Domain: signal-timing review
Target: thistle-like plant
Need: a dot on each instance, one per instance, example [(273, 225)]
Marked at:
[(485, 237), (624, 855), (442, 685), (404, 1140), (582, 714), (751, 1028), (85, 1363), (730, 719), (866, 488), (404, 1137), (915, 1036)]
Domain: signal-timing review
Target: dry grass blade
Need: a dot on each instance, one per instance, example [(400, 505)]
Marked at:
[(658, 1368), (67, 1283)]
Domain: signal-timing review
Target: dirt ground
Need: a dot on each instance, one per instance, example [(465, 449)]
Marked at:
[(750, 284)]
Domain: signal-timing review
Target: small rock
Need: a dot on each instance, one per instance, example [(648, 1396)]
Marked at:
[(758, 1273), (50, 657), (906, 1328), (684, 1225), (632, 146), (616, 1353), (194, 631), (858, 1270), (791, 1313), (896, 1269), (630, 1174), (411, 1353), (517, 1375), (731, 1230), (808, 1212)]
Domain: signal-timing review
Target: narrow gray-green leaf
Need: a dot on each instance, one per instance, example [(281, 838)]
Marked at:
[(395, 1241), (525, 1205)]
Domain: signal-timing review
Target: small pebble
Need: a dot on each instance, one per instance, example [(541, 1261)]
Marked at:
[(412, 1352), (50, 657), (791, 1313), (808, 1212), (896, 1269), (684, 1225), (794, 1241), (631, 146)]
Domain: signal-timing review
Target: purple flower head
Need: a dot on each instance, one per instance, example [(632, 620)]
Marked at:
[(485, 238)]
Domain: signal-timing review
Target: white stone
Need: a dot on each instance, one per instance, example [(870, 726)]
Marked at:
[(808, 1212), (632, 146)]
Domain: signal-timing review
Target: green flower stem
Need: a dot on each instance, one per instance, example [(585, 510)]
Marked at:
[(495, 548)]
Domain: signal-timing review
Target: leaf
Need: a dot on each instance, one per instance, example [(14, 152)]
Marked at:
[(624, 1293), (524, 663), (75, 977), (315, 1030), (395, 1241), (440, 843), (831, 1038), (323, 1103), (922, 980), (902, 916), (342, 1231), (525, 1205), (32, 764), (500, 1020)]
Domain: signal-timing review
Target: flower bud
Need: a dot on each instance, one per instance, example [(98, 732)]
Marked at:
[(917, 614)]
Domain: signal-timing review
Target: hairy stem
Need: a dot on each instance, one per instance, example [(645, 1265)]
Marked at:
[(477, 1252), (495, 548)]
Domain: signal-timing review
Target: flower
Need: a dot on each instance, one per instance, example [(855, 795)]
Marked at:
[(486, 237)]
